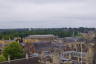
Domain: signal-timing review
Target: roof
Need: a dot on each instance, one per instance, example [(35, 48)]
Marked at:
[(62, 58), (6, 41), (75, 53), (41, 36), (73, 39)]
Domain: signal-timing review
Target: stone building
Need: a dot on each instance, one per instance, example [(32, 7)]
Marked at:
[(38, 43), (39, 38), (4, 43)]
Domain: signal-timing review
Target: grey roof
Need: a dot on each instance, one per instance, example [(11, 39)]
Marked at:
[(75, 53), (73, 39), (41, 36)]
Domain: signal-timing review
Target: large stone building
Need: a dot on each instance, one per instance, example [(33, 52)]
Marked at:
[(75, 49), (39, 38), (38, 43)]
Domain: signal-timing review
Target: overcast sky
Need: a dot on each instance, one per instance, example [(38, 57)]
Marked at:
[(47, 13)]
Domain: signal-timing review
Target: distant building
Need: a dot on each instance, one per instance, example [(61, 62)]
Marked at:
[(74, 56), (40, 38), (4, 43), (38, 43), (75, 49)]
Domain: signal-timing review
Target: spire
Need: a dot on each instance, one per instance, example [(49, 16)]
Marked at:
[(73, 34)]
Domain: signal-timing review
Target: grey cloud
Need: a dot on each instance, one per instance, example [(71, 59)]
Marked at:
[(43, 1), (47, 13)]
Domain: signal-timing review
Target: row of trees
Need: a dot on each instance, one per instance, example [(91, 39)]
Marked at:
[(10, 34), (12, 51)]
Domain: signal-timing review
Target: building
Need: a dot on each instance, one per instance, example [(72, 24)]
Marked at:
[(38, 43), (40, 38), (74, 56), (75, 49), (4, 43)]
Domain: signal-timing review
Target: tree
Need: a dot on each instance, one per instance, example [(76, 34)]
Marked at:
[(2, 58), (14, 51)]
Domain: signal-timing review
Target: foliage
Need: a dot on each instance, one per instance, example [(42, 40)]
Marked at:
[(61, 32), (2, 58), (14, 51)]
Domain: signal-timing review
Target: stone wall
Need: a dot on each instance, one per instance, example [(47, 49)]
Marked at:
[(23, 61)]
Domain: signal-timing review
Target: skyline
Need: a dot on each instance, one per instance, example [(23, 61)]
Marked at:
[(47, 13)]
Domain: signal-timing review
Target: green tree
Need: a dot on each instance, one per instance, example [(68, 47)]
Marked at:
[(2, 58), (14, 51)]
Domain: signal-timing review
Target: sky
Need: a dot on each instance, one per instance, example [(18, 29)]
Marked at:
[(47, 13)]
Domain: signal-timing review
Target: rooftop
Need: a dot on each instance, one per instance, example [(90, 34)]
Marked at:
[(41, 36)]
